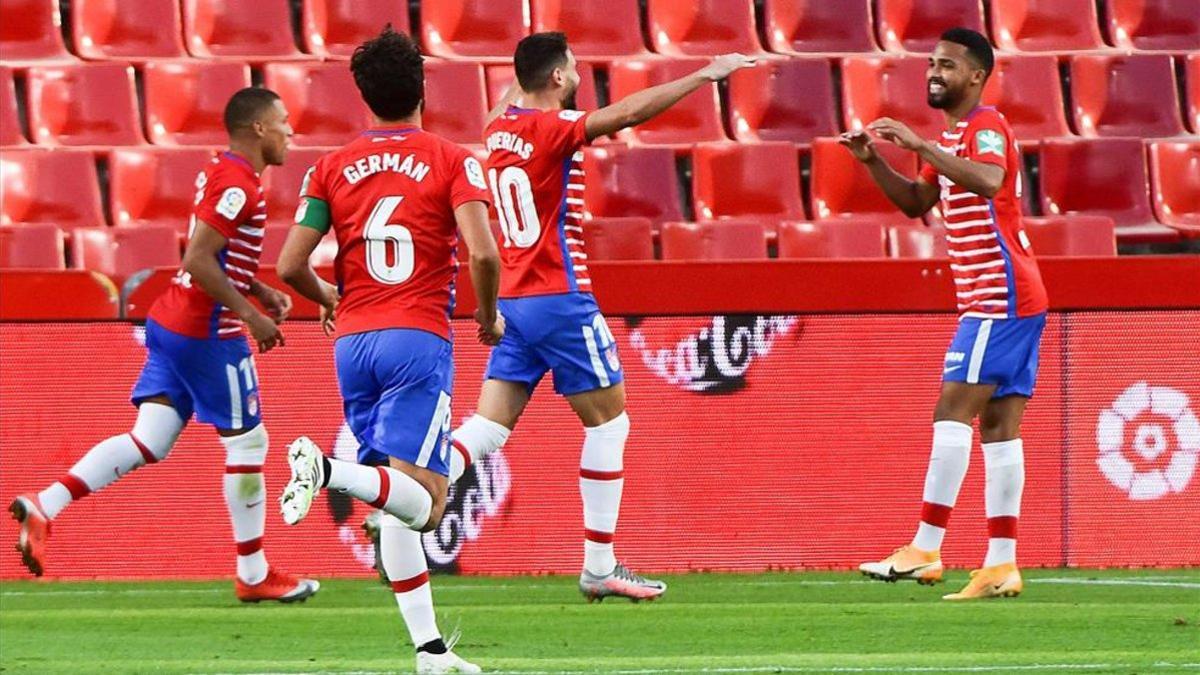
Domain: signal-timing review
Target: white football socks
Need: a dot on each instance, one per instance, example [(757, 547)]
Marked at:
[(947, 467), (245, 497), (474, 440), (601, 480), (404, 563), (384, 488), (1005, 465)]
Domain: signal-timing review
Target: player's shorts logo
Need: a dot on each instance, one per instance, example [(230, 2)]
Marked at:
[(252, 403), (1149, 440)]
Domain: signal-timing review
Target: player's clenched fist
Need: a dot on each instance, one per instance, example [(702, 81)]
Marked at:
[(490, 334), (860, 145), (722, 66), (265, 331)]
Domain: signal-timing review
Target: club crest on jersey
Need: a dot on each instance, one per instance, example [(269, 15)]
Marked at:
[(988, 141), (570, 115), (231, 202), (252, 404)]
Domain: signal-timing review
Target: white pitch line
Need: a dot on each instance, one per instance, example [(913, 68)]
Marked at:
[(1117, 582), (794, 669)]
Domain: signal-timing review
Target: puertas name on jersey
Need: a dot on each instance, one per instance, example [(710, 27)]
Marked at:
[(395, 162), (506, 140)]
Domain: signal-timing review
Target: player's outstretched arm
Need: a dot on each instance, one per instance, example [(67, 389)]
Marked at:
[(637, 108), (978, 177), (913, 197), (472, 221), (295, 270), (200, 261)]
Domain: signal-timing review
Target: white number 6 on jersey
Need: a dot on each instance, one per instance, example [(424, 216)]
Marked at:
[(383, 238)]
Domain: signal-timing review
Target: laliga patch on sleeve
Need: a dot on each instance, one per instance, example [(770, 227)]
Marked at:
[(231, 202), (570, 115), (475, 173), (989, 141)]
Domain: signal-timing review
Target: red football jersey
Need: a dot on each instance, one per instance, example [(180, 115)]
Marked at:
[(390, 196), (535, 167), (229, 198), (995, 274)]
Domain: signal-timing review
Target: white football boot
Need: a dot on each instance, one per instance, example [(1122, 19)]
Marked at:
[(621, 582), (444, 663), (304, 458)]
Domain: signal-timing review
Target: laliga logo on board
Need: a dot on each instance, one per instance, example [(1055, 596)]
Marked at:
[(1170, 426)]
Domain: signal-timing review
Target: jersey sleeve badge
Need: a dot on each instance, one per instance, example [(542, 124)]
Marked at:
[(231, 202), (989, 141)]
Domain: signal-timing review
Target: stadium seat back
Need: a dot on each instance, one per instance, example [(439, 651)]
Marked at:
[(842, 186), (783, 100), (1032, 117), (804, 26), (1113, 171), (31, 246), (499, 76), (619, 239), (50, 186), (1192, 76), (909, 241), (185, 100), (10, 116), (473, 28), (1125, 95), (1072, 236), (324, 105), (154, 185), (759, 180), (714, 240), (127, 29), (874, 87), (695, 119), (595, 28), (84, 105), (1175, 179), (30, 32), (624, 181), (831, 239), (120, 252), (1045, 25), (1165, 25), (334, 28), (915, 25), (281, 184), (455, 100), (239, 29), (702, 27)]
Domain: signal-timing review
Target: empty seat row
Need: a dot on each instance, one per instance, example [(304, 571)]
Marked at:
[(787, 100), (262, 29)]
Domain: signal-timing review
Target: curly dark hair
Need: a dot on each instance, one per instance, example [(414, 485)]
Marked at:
[(390, 74)]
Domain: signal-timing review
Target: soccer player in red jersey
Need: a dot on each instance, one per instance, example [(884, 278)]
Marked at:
[(396, 198), (553, 324), (974, 173), (199, 359)]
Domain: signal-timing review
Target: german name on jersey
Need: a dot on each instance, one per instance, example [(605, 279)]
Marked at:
[(995, 274), (390, 196), (229, 198), (535, 167)]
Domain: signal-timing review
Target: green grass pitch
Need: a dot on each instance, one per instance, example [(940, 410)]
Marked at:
[(1066, 621)]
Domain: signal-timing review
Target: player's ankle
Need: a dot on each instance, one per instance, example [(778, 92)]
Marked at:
[(434, 647)]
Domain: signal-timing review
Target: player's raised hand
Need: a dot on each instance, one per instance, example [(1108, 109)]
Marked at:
[(265, 332), (724, 65), (860, 145), (896, 132), (490, 335)]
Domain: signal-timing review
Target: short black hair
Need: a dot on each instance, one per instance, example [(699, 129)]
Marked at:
[(390, 74), (246, 106), (978, 47), (536, 58)]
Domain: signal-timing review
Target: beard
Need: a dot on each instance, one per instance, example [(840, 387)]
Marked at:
[(944, 99)]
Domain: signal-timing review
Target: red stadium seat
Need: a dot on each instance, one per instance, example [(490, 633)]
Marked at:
[(1105, 177), (1125, 95), (455, 101), (50, 186), (908, 241), (133, 30), (500, 76), (1164, 25), (595, 28), (1045, 25), (714, 240), (702, 27), (185, 100), (154, 186), (334, 28), (10, 116), (84, 105), (1032, 117), (841, 185), (120, 252), (874, 87), (807, 27), (783, 100), (1175, 181), (30, 34), (914, 25), (474, 29), (1072, 236), (695, 119), (622, 181), (1191, 69), (759, 181), (324, 106), (241, 30), (831, 239), (619, 239), (37, 246), (281, 184)]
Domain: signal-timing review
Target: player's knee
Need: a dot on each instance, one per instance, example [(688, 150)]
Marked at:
[(247, 450), (156, 429), (996, 429)]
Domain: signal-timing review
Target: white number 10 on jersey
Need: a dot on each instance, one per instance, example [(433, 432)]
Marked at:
[(514, 204)]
